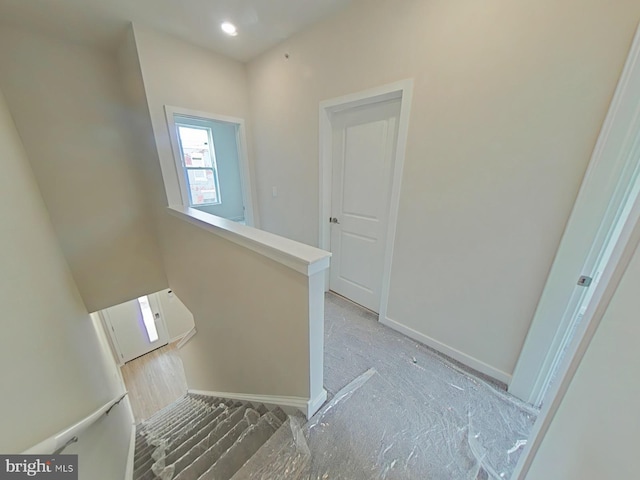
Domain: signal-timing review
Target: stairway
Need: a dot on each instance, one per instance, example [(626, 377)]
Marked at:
[(200, 438)]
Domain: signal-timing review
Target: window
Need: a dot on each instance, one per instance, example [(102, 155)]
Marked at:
[(198, 162), (148, 318)]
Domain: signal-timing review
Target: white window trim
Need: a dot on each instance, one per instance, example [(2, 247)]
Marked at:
[(180, 162), (248, 193)]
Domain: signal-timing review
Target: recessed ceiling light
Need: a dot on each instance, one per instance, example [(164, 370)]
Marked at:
[(229, 28)]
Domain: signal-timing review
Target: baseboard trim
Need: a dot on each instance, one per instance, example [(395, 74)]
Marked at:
[(305, 405), (183, 339), (128, 473), (314, 404), (461, 357)]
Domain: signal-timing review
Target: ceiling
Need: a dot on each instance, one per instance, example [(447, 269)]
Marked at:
[(261, 23)]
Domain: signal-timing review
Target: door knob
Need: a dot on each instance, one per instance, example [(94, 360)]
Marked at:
[(333, 220)]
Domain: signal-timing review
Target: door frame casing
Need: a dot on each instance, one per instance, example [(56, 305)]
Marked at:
[(624, 249), (622, 254), (248, 194), (110, 331), (611, 160), (402, 90)]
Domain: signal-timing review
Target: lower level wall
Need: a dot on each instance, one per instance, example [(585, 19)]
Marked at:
[(103, 450)]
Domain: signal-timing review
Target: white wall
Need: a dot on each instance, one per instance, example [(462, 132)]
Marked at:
[(594, 434), (103, 449), (183, 75), (508, 101), (585, 236), (55, 366), (252, 315), (138, 121), (178, 318), (110, 436), (69, 108)]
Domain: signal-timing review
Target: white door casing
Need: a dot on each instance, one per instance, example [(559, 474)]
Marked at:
[(618, 147), (126, 328), (364, 146), (402, 90), (604, 192)]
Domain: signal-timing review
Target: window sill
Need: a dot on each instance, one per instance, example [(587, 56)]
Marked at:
[(298, 256), (207, 205)]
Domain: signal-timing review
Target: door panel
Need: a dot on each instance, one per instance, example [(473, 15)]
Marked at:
[(128, 331), (605, 190), (364, 162), (364, 143)]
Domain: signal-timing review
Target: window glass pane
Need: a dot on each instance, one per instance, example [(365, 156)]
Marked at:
[(199, 163), (202, 186), (195, 147), (147, 318)]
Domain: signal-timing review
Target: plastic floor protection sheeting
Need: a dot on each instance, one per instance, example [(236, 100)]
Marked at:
[(410, 415)]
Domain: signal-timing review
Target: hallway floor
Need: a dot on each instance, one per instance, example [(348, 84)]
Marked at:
[(419, 416), (396, 410), (154, 381)]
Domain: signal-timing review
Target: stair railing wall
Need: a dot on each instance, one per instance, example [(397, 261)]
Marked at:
[(258, 305)]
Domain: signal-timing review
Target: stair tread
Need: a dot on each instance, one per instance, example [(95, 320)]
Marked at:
[(242, 450), (211, 422), (178, 420), (168, 410), (182, 423), (213, 453), (217, 434), (230, 416), (278, 412), (172, 415), (196, 425), (200, 437)]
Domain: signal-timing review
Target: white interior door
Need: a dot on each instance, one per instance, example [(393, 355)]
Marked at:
[(586, 294), (136, 327), (605, 197), (363, 152)]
